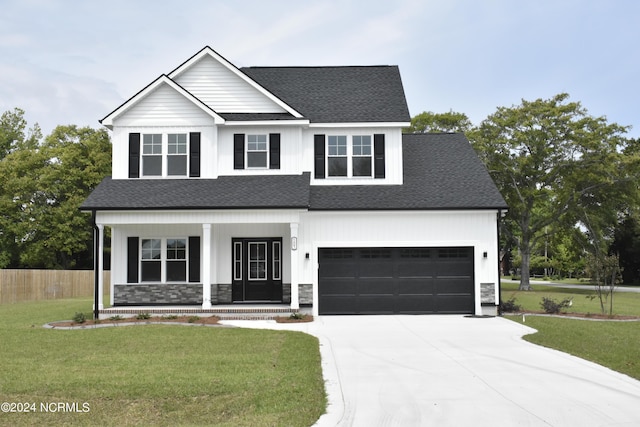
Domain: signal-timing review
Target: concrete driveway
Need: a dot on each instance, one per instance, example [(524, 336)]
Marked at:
[(458, 371)]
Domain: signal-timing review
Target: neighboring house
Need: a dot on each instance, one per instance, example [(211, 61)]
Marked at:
[(292, 185)]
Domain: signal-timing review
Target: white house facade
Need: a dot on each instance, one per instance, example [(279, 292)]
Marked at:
[(294, 186)]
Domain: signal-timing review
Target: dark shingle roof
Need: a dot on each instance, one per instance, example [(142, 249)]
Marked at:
[(441, 171), (337, 94), (226, 192)]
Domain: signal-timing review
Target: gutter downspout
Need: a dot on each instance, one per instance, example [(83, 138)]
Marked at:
[(498, 245), (96, 272)]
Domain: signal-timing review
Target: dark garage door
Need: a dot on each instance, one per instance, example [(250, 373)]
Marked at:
[(395, 280)]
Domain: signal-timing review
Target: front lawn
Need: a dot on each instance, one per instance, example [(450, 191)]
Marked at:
[(155, 374), (613, 344)]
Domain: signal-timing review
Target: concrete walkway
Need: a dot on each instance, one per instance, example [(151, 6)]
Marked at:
[(458, 371)]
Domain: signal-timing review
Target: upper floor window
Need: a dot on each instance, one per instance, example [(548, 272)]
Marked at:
[(256, 151), (349, 156), (170, 155)]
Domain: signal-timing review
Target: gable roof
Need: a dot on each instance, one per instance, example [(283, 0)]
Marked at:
[(149, 89), (441, 171), (338, 94)]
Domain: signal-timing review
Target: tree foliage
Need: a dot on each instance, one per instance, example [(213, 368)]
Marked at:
[(43, 184), (440, 122), (557, 167)]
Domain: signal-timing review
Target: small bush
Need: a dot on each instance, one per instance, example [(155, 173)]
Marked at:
[(143, 316), (79, 318), (193, 319), (551, 306), (170, 317), (296, 316), (510, 306), (116, 317)]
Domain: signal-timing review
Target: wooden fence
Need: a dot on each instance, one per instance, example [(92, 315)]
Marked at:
[(34, 285)]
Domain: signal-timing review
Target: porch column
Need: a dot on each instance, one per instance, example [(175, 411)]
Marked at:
[(295, 299), (206, 266), (100, 256)]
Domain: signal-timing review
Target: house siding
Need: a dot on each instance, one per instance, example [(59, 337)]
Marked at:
[(224, 91)]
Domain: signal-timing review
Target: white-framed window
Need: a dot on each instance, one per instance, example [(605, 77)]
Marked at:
[(152, 154), (350, 156), (337, 159), (177, 154), (163, 260), (361, 161), (277, 262), (237, 261), (257, 151), (164, 154)]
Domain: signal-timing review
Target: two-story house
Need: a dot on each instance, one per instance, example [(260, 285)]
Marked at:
[(292, 185)]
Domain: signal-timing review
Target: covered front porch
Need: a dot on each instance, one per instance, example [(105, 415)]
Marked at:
[(201, 262)]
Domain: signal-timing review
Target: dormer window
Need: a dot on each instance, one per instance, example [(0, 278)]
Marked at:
[(152, 155), (177, 154), (349, 156)]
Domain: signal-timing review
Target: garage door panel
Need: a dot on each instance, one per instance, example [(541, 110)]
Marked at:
[(396, 280)]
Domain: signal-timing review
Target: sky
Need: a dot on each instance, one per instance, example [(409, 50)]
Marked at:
[(74, 61)]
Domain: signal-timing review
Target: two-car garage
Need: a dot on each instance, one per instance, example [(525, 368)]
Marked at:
[(415, 280)]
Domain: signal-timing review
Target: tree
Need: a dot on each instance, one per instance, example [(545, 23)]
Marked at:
[(443, 122), (626, 244), (41, 194), (554, 165)]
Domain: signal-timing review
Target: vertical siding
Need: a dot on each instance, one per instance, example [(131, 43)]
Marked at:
[(290, 150), (224, 91)]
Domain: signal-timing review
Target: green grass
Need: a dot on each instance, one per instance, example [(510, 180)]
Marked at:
[(615, 345), (156, 374), (624, 303)]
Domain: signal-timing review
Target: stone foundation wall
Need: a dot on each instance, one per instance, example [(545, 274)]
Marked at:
[(164, 293), (305, 293), (488, 293)]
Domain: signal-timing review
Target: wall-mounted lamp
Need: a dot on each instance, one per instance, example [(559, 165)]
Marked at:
[(484, 254), (294, 243), (306, 255)]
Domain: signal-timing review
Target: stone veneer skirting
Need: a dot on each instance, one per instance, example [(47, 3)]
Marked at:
[(190, 294)]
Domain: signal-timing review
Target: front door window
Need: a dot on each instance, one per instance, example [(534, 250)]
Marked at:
[(257, 260)]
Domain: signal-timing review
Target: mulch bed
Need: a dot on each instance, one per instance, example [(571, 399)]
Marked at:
[(209, 320), (587, 316)]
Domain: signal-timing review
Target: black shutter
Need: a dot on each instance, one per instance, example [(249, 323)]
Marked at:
[(274, 151), (194, 259), (194, 154), (238, 151), (132, 259), (318, 156), (378, 153), (134, 155)]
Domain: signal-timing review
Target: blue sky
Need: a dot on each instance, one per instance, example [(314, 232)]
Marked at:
[(74, 61)]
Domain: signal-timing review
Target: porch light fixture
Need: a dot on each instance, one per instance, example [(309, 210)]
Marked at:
[(294, 243)]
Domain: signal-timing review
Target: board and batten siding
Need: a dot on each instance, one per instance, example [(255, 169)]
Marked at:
[(224, 91), (290, 150), (120, 147), (475, 229)]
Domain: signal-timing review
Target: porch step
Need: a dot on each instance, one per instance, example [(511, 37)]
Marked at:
[(226, 312)]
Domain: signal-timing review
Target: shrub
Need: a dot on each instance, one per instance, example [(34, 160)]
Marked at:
[(116, 317), (143, 316), (510, 306), (193, 319), (79, 317), (551, 306), (170, 317)]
